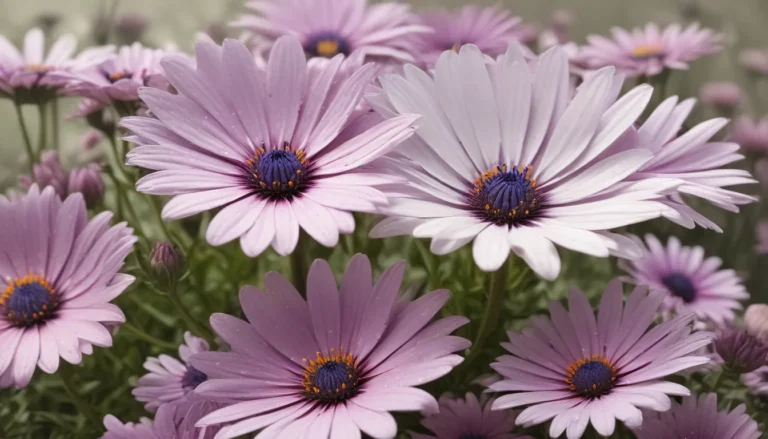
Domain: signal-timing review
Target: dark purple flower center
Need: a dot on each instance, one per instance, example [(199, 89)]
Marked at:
[(326, 44), (193, 378), (680, 285), (472, 436), (29, 300), (278, 174), (591, 377), (503, 197), (331, 378)]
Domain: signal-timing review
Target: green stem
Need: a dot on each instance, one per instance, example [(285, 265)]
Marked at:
[(25, 135), (299, 266), (493, 307), (82, 406), (55, 123), (119, 196), (148, 338), (159, 216), (195, 326), (43, 139)]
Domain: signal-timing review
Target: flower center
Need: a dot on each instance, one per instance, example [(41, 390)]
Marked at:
[(471, 436), (114, 77), (331, 378), (193, 378), (647, 51), (29, 300), (327, 45), (681, 286), (505, 197), (278, 174), (591, 377), (39, 68)]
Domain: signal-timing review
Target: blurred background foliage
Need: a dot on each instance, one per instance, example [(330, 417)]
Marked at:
[(107, 377)]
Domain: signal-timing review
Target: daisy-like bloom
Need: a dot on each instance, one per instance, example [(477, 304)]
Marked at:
[(754, 61), (277, 150), (691, 283), (726, 96), (698, 418), (505, 157), (694, 159), (469, 419), (169, 379), (648, 51), (332, 366), (172, 421), (58, 274), (581, 370), (741, 351), (381, 31), (27, 76), (757, 381), (117, 81), (491, 29), (751, 134)]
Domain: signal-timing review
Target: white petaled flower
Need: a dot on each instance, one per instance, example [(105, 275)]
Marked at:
[(507, 158)]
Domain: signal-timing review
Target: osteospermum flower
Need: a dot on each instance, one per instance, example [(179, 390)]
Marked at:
[(169, 379), (469, 418), (276, 149), (577, 370), (490, 29), (332, 366), (691, 283), (699, 418), (58, 275), (117, 81), (505, 157), (694, 158), (28, 76), (172, 421), (382, 31), (752, 135), (648, 51)]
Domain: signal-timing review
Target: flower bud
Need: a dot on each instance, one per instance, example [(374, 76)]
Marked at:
[(130, 28), (756, 321), (167, 263), (49, 172), (754, 61), (88, 182), (741, 352)]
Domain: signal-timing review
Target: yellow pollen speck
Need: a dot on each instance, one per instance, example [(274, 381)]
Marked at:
[(647, 50)]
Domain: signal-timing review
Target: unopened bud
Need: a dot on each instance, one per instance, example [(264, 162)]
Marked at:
[(724, 95), (130, 28), (49, 172), (754, 60), (167, 263), (741, 352), (88, 182)]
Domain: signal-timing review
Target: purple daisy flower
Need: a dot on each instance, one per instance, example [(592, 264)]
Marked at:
[(28, 77), (648, 51), (698, 418), (169, 379), (325, 28), (691, 283), (278, 150), (469, 418), (332, 366), (751, 134), (581, 370), (58, 274), (757, 381), (490, 29), (506, 157), (117, 81), (172, 421), (694, 159), (726, 96)]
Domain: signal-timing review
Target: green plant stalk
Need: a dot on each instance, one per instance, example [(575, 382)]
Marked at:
[(25, 135), (82, 406), (55, 124), (194, 325), (493, 307), (148, 338), (299, 266), (42, 140)]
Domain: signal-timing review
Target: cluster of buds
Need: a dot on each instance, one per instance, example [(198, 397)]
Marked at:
[(49, 172)]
